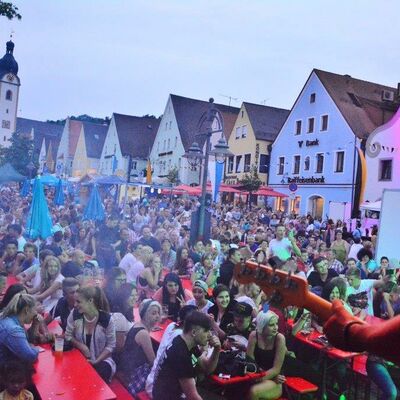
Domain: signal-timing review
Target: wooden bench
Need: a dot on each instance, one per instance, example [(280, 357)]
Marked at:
[(119, 389), (299, 386)]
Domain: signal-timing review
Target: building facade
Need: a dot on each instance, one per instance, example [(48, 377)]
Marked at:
[(255, 129), (316, 152), (9, 92)]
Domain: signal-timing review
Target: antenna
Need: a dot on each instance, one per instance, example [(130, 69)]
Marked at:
[(230, 98), (264, 102)]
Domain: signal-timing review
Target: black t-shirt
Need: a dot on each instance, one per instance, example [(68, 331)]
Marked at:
[(61, 310), (177, 363), (314, 278), (71, 270), (107, 235), (152, 242)]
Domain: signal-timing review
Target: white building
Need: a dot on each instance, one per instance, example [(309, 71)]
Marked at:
[(178, 130), (9, 91), (383, 159)]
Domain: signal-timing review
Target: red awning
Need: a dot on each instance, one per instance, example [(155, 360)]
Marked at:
[(266, 191)]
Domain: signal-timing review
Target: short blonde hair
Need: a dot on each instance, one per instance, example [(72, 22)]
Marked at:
[(263, 319)]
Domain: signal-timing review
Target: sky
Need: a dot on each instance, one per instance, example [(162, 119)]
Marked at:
[(103, 56)]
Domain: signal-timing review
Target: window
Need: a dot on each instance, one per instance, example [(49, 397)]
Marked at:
[(165, 144), (237, 135), (158, 147), (339, 161), (176, 141), (230, 164), (244, 131), (242, 113), (166, 125), (310, 125), (307, 163), (247, 162), (134, 165), (170, 123), (296, 165), (9, 95), (298, 127), (238, 162), (6, 110), (5, 139), (320, 163), (385, 170), (5, 124), (312, 98), (264, 161), (169, 142), (324, 123), (281, 165)]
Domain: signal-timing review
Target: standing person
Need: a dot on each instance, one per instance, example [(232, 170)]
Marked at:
[(321, 274), (340, 247), (91, 330), (138, 355), (20, 311), (282, 246), (226, 270), (268, 348), (176, 373)]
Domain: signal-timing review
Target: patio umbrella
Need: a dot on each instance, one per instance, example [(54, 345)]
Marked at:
[(39, 221), (59, 199), (26, 187), (94, 210)]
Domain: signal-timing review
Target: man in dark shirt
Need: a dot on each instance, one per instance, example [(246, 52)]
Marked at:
[(242, 325), (148, 240), (226, 270), (65, 304), (176, 374), (321, 274), (74, 268)]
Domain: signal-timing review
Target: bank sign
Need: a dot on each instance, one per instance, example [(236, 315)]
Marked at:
[(312, 180)]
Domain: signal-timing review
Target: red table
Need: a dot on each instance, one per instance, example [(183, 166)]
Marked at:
[(11, 280), (251, 376)]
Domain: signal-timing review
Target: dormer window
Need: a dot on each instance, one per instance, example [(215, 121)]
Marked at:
[(312, 98)]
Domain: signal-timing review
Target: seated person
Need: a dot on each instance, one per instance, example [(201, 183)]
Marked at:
[(11, 261), (321, 274), (267, 348), (239, 330), (390, 305), (74, 268), (366, 264), (66, 304), (30, 252), (176, 373), (200, 291), (16, 376)]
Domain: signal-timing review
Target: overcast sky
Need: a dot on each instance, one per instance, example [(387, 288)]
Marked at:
[(103, 56)]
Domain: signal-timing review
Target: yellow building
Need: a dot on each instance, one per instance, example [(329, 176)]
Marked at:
[(255, 129)]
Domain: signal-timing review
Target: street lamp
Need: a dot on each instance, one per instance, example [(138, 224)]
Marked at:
[(211, 122), (30, 167)]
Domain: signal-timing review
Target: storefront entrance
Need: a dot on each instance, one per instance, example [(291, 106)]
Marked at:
[(316, 206)]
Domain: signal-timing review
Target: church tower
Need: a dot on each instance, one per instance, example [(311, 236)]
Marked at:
[(9, 90)]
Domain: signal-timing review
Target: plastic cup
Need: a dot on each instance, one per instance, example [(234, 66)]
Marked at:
[(59, 344)]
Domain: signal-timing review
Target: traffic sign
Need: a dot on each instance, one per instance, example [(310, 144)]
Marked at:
[(292, 187)]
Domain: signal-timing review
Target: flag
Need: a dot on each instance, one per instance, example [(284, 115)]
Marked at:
[(148, 172)]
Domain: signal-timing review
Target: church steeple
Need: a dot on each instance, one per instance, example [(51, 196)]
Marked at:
[(8, 63)]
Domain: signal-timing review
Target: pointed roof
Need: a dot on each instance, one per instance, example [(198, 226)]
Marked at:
[(8, 63), (95, 135), (136, 135), (50, 132), (266, 121), (359, 101), (74, 132), (188, 113)]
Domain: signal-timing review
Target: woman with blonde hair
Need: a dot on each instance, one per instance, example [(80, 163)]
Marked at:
[(50, 289), (91, 330), (268, 348)]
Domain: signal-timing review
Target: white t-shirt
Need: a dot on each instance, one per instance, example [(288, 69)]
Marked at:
[(132, 266), (281, 248), (366, 285), (50, 302), (121, 323), (171, 332), (354, 249)]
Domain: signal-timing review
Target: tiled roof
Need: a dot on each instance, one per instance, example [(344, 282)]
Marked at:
[(74, 132), (188, 113), (266, 121), (95, 135), (50, 132), (360, 102), (136, 134)]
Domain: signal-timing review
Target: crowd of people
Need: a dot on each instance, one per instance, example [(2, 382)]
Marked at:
[(90, 277)]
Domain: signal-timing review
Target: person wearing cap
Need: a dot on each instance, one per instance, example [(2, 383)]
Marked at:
[(200, 290), (242, 325)]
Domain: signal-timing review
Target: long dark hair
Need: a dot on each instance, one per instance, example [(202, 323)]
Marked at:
[(10, 293), (181, 265), (98, 296), (171, 277), (120, 303)]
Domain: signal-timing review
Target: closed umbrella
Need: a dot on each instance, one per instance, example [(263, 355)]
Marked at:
[(94, 210), (26, 187), (39, 221), (59, 199)]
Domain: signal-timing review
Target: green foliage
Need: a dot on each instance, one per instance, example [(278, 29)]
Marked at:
[(173, 175), (8, 10), (250, 181), (84, 118), (18, 154)]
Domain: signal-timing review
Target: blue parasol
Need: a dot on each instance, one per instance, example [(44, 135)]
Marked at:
[(26, 188), (59, 195), (94, 210), (39, 221)]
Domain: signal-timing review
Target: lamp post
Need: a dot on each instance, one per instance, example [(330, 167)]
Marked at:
[(211, 122)]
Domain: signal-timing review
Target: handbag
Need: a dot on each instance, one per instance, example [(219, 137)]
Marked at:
[(234, 363)]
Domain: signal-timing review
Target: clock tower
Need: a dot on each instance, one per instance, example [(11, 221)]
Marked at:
[(9, 91)]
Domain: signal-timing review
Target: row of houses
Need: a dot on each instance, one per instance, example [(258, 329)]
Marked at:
[(338, 144)]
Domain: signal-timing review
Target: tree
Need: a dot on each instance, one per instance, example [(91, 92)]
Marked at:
[(9, 10), (173, 175), (19, 153), (251, 182)]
